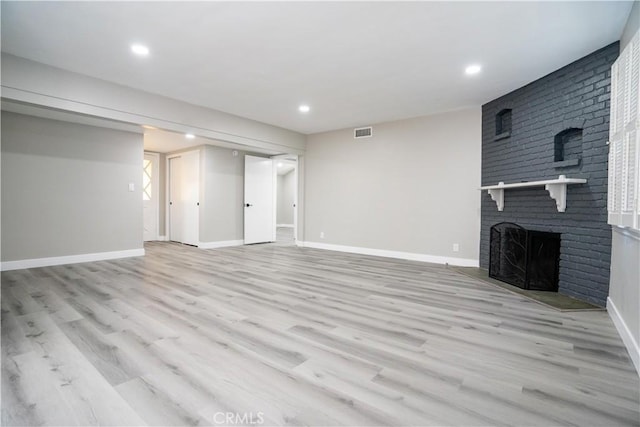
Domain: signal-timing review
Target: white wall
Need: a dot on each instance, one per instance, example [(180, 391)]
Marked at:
[(286, 198), (623, 303), (632, 25), (411, 188), (221, 206), (65, 190)]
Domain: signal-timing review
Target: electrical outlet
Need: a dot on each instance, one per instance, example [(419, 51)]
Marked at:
[(322, 234), (456, 247)]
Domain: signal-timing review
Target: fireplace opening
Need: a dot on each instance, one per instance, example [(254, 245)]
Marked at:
[(525, 258)]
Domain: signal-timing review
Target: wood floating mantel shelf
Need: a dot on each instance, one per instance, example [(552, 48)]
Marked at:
[(557, 189)]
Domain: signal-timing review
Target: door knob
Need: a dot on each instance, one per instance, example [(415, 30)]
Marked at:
[(248, 205)]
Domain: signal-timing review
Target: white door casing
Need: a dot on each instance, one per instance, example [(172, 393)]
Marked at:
[(150, 199), (259, 200)]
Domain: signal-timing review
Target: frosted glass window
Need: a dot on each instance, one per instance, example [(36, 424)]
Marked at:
[(147, 171)]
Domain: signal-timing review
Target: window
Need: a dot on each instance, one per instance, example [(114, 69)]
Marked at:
[(624, 138), (147, 174)]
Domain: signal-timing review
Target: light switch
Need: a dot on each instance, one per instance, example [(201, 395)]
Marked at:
[(132, 186)]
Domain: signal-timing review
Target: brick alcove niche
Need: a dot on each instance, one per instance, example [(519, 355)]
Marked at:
[(559, 126), (567, 144), (503, 124)]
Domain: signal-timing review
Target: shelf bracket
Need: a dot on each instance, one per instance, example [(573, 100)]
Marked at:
[(497, 195), (558, 192), (557, 189)]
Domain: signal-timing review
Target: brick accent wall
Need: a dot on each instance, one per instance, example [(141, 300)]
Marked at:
[(575, 96)]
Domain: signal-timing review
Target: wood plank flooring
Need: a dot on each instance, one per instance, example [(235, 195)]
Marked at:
[(279, 335)]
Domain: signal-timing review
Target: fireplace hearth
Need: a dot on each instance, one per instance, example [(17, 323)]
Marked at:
[(525, 258)]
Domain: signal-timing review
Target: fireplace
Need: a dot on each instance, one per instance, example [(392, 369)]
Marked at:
[(525, 258)]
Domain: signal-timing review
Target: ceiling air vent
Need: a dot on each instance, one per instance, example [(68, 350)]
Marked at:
[(363, 132)]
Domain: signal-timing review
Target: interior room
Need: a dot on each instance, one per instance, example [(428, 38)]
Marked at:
[(320, 213)]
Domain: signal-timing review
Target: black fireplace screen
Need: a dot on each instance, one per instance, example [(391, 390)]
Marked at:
[(525, 258)]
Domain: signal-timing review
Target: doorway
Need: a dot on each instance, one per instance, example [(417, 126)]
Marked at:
[(259, 200), (270, 205), (286, 199)]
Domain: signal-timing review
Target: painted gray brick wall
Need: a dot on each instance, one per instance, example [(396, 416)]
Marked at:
[(574, 96)]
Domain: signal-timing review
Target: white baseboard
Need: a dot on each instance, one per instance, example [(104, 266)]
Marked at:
[(220, 244), (69, 259), (462, 262), (162, 238), (627, 338), (285, 225)]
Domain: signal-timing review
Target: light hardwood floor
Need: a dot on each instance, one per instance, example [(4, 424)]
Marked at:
[(291, 336)]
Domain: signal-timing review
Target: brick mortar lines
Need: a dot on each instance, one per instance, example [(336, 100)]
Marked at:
[(578, 91)]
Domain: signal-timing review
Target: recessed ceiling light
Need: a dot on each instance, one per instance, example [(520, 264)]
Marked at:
[(279, 165), (140, 49), (473, 69), (189, 136), (304, 108)]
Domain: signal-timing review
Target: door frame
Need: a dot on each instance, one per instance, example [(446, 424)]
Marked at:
[(155, 187), (296, 177)]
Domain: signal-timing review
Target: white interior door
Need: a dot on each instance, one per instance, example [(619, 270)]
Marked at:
[(175, 199), (190, 198), (184, 198), (150, 206), (295, 204), (259, 200)]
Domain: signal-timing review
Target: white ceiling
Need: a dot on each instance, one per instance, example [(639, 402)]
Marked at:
[(354, 63), (285, 166)]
